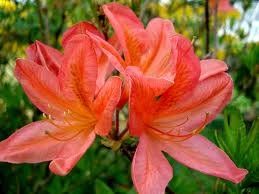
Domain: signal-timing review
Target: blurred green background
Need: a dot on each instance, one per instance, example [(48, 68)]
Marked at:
[(231, 35)]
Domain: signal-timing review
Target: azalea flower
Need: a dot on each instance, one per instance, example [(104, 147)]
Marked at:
[(148, 48), (64, 87), (172, 96), (175, 117)]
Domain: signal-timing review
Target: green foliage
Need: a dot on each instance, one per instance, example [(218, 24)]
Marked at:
[(241, 145)]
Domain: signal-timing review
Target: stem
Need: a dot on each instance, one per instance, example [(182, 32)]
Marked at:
[(207, 26), (121, 135), (216, 28), (117, 124), (44, 22)]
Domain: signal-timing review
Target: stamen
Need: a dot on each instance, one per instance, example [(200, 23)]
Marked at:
[(179, 137), (178, 125), (198, 130), (64, 139), (44, 115)]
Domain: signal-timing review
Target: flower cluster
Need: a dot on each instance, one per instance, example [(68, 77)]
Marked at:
[(171, 96)]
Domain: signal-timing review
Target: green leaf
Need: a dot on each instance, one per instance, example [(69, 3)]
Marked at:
[(234, 134), (102, 188), (252, 135)]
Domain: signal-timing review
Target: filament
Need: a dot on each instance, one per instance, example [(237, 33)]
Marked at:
[(179, 137), (64, 139)]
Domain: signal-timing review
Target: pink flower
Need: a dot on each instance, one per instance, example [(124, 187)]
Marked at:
[(172, 96), (64, 88), (170, 120)]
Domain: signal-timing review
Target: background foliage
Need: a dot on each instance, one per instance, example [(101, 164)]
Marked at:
[(103, 171)]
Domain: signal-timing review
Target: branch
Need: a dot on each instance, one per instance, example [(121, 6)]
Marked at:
[(207, 26), (44, 23)]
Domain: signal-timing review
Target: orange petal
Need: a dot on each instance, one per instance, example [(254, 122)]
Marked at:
[(31, 144), (45, 55), (115, 43), (79, 28), (158, 62), (78, 73), (104, 70), (150, 170), (211, 67), (202, 155), (129, 30), (124, 95), (187, 70), (144, 93), (113, 55), (41, 86), (197, 107), (105, 104), (65, 161)]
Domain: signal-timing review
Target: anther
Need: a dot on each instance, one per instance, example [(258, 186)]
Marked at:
[(44, 115), (178, 125)]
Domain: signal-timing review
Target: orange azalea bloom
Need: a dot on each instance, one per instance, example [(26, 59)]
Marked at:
[(148, 48), (172, 96), (174, 119), (63, 86)]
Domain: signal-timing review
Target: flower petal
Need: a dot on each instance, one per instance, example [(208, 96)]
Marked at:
[(187, 70), (144, 92), (197, 107), (66, 160), (158, 62), (129, 30), (104, 68), (41, 86), (80, 28), (211, 67), (45, 55), (202, 155), (110, 52), (150, 170), (32, 144), (78, 73), (105, 104)]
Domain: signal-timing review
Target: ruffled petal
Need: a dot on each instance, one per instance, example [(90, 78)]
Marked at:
[(105, 104), (80, 28), (113, 40), (45, 55), (187, 69), (197, 107), (104, 67), (104, 70), (202, 155), (42, 141), (112, 54), (78, 73), (144, 93), (150, 170), (66, 160), (41, 86), (129, 30), (212, 67), (158, 61)]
